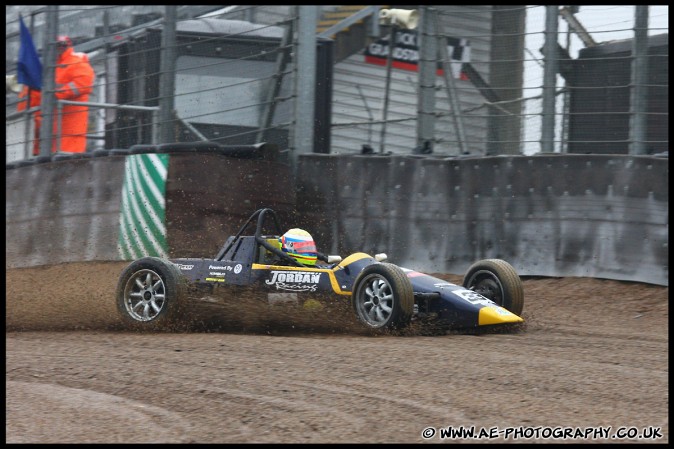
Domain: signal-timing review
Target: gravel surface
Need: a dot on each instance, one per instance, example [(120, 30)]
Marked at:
[(593, 354)]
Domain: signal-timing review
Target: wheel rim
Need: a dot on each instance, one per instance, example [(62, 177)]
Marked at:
[(486, 284), (144, 295), (375, 301)]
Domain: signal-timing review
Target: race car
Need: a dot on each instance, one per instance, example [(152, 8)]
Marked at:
[(152, 292)]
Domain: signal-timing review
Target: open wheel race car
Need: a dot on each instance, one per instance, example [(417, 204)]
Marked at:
[(151, 291)]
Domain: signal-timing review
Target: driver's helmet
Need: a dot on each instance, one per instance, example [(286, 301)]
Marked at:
[(299, 245)]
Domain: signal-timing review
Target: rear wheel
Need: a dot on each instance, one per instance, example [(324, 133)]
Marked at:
[(497, 280), (149, 294), (383, 297)]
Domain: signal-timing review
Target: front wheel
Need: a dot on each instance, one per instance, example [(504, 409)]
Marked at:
[(149, 293), (497, 280), (383, 297)]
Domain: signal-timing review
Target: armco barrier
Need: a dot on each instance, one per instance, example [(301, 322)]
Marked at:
[(549, 215)]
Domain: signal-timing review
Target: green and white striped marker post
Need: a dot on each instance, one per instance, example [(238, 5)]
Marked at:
[(142, 222)]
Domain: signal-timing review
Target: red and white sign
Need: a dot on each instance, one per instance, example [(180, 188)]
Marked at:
[(406, 53)]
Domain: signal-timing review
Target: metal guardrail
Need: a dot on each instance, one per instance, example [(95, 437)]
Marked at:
[(59, 107)]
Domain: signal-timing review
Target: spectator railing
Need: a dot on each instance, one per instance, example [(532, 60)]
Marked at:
[(61, 103), (12, 119)]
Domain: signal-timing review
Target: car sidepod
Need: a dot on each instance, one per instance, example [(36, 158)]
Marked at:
[(215, 272), (337, 280)]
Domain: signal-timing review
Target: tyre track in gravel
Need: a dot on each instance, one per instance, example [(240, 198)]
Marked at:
[(596, 355), (75, 414)]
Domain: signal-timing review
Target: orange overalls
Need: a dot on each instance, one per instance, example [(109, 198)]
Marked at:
[(74, 82)]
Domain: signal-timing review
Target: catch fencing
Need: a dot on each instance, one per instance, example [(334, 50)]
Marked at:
[(524, 79)]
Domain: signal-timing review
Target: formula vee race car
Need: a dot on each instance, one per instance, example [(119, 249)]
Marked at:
[(151, 292)]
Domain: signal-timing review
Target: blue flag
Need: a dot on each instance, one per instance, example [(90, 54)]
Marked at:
[(29, 67)]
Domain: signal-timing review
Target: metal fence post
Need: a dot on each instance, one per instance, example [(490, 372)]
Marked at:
[(28, 125), (387, 88), (305, 65), (426, 79), (155, 127), (59, 125), (549, 80), (167, 76), (639, 91), (48, 81)]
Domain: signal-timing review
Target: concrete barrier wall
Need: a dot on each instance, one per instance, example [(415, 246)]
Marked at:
[(63, 211), (71, 210), (553, 215), (549, 215), (209, 197)]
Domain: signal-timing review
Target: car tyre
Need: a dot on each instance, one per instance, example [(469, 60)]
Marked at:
[(383, 297), (150, 293), (497, 280)]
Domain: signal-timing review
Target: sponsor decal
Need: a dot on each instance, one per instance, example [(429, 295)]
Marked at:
[(216, 273), (296, 281), (215, 267), (238, 268), (473, 297), (216, 279), (501, 311), (185, 267), (406, 53)]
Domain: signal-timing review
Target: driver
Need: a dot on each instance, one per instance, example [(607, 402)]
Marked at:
[(299, 245)]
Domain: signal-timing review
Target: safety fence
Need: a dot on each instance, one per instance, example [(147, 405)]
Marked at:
[(524, 79), (21, 128)]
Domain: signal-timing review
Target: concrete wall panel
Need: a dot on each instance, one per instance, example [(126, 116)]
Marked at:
[(63, 211), (70, 210), (210, 196), (604, 216), (557, 215)]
